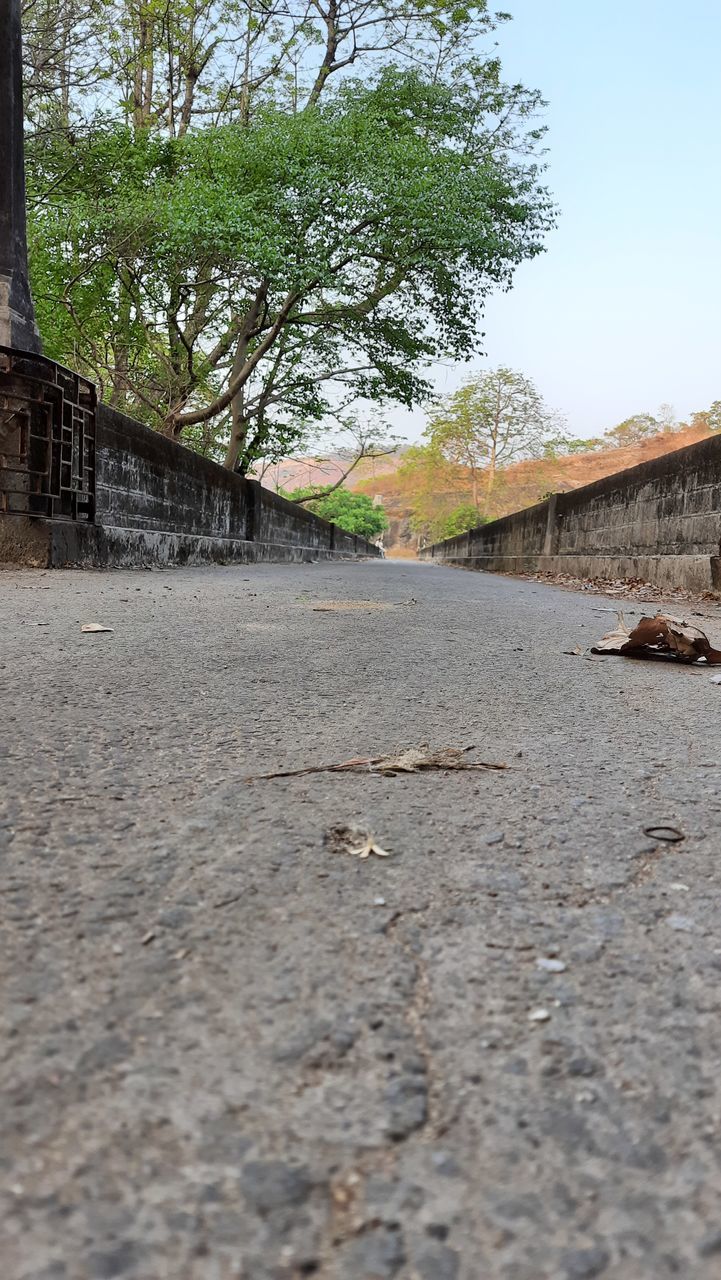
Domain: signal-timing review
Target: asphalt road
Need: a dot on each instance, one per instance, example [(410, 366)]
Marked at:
[(231, 1051)]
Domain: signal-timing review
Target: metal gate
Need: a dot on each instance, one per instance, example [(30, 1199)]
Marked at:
[(47, 439)]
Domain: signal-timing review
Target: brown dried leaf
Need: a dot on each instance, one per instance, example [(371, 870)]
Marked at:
[(661, 636), (416, 759)]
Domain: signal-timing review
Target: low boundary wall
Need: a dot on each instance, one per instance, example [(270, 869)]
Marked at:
[(659, 522), (156, 502)]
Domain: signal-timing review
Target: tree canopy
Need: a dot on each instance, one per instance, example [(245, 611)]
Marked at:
[(491, 420), (355, 512), (237, 234)]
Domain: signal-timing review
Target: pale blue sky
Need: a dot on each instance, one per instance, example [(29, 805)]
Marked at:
[(623, 311)]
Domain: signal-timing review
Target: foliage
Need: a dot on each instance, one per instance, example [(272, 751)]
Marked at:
[(228, 229), (561, 446), (354, 512), (492, 419), (433, 487), (460, 520), (709, 418), (632, 430)]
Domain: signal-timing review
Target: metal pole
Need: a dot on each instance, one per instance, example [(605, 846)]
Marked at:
[(17, 316)]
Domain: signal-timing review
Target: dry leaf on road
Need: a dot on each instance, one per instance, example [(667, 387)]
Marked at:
[(94, 626), (349, 606), (659, 637), (356, 841), (403, 760), (614, 641)]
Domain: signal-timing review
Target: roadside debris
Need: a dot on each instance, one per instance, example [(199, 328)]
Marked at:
[(550, 965), (403, 760), (356, 841), (347, 606), (660, 637), (94, 626), (663, 832), (631, 588), (539, 1015)]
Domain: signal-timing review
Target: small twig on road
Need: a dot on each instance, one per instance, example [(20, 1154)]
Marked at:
[(405, 760)]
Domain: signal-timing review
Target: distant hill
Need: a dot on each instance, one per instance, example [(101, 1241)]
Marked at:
[(300, 473)]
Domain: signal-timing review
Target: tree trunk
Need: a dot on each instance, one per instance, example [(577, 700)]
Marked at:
[(238, 425), (491, 470)]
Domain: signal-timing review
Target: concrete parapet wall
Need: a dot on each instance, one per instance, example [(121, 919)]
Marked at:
[(660, 521), (158, 503)]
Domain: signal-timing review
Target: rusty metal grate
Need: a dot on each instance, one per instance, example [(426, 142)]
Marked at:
[(47, 439)]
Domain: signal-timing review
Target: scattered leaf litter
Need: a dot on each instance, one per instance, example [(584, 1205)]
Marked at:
[(402, 760)]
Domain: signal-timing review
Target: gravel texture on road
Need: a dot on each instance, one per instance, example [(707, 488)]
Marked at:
[(233, 1051)]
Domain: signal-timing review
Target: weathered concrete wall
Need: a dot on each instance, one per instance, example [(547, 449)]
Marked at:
[(145, 481), (158, 503), (660, 521)]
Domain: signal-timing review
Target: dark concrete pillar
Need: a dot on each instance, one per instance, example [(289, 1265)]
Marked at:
[(17, 316), (253, 509), (550, 545)]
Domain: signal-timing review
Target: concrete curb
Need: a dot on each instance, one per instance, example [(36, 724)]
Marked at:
[(53, 544), (692, 573)]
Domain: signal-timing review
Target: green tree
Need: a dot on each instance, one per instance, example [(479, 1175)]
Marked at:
[(493, 419), (709, 418), (562, 446), (354, 512), (226, 229), (460, 520), (633, 430)]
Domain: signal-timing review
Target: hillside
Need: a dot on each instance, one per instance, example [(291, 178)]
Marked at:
[(300, 473), (518, 486)]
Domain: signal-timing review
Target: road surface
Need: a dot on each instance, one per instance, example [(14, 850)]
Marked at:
[(231, 1050)]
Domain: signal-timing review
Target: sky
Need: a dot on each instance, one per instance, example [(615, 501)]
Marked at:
[(623, 311)]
